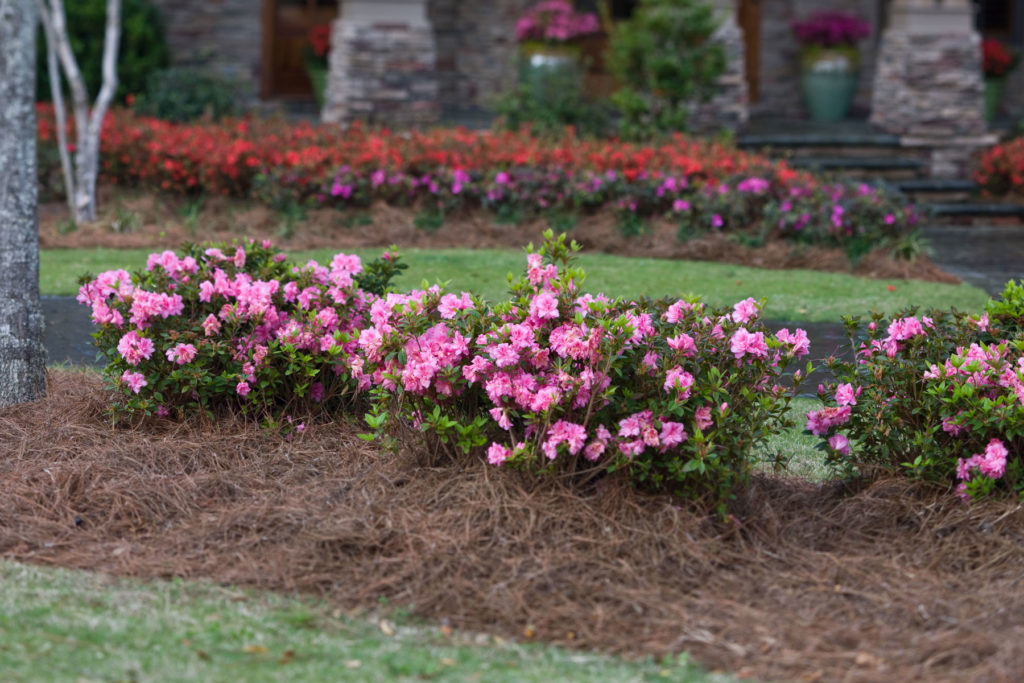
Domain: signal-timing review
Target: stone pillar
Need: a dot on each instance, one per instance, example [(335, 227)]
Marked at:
[(928, 82), (382, 64), (729, 107)]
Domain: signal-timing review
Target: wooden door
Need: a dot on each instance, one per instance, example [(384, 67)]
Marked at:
[(286, 27), (749, 19)]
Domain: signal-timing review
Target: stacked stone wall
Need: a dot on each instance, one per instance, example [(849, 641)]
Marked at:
[(222, 35), (382, 73), (476, 49)]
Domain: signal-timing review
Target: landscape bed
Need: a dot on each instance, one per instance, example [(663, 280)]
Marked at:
[(897, 580)]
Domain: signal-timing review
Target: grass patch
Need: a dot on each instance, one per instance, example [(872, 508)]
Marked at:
[(798, 295), (795, 448), (72, 625)]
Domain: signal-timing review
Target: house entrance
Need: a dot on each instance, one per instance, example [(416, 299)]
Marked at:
[(286, 28)]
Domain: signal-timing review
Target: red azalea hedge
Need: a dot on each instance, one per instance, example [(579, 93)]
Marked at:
[(705, 186), (227, 157)]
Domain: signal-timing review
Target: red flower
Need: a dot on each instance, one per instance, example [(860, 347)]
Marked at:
[(320, 39), (996, 60)]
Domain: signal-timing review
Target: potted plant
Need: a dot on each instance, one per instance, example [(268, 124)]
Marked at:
[(549, 34), (996, 62), (829, 61), (316, 60)]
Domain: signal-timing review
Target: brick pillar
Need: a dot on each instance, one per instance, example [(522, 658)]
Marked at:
[(728, 107), (928, 82), (382, 64)]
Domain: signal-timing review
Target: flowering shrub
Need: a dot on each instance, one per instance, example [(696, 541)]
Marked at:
[(939, 396), (232, 327), (705, 186), (996, 60), (831, 29), (675, 395), (555, 22), (1000, 169)]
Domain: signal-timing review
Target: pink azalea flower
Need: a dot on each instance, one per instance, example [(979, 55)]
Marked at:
[(840, 444), (498, 454), (211, 325), (544, 306), (134, 380), (743, 311), (679, 380), (845, 395), (672, 434), (181, 353), (703, 418), (993, 461)]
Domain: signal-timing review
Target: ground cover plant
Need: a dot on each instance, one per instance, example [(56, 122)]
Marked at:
[(949, 389), (703, 187)]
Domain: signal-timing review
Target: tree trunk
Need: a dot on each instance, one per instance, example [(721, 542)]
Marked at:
[(22, 355)]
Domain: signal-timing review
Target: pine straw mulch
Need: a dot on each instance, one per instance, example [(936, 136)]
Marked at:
[(156, 223), (892, 582)]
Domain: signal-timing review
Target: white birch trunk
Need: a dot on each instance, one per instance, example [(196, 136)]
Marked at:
[(22, 355), (81, 184)]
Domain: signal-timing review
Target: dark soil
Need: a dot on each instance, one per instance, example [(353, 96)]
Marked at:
[(134, 219), (892, 581)]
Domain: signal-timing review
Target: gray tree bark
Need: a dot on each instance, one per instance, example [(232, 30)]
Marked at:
[(22, 355)]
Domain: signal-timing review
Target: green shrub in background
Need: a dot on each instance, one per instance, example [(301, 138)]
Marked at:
[(183, 94), (665, 55), (143, 46), (561, 104)]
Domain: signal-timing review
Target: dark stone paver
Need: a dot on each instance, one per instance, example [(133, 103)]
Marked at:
[(982, 255)]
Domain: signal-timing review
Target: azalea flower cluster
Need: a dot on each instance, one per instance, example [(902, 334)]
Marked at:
[(939, 396), (225, 326), (982, 390), (672, 393)]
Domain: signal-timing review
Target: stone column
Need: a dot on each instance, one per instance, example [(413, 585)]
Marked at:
[(729, 107), (382, 64), (928, 82)]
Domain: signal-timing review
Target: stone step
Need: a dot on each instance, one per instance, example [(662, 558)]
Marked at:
[(836, 139), (866, 167), (936, 190), (975, 210)]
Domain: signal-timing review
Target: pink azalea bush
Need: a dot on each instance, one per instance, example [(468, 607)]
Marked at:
[(675, 395), (231, 326), (939, 396)]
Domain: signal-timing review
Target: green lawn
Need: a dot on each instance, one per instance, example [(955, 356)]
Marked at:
[(60, 625), (798, 295)]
